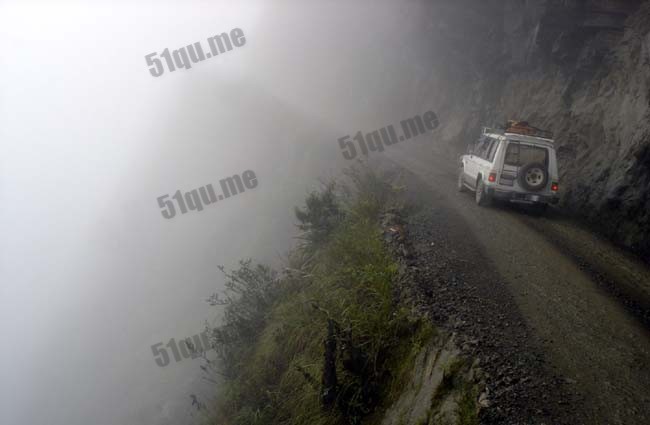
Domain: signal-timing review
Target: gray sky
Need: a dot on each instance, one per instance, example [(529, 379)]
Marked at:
[(91, 275)]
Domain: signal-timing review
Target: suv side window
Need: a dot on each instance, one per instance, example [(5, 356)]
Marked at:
[(493, 150), (474, 147), (482, 147)]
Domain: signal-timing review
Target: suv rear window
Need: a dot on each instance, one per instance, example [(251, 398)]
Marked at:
[(519, 154)]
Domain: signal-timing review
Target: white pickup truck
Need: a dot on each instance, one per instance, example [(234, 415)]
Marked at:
[(517, 164)]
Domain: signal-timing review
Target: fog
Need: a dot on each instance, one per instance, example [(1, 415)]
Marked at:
[(91, 274)]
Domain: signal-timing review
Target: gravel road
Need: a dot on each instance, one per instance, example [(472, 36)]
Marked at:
[(557, 315)]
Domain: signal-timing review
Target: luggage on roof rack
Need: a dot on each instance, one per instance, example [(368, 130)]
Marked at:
[(525, 129)]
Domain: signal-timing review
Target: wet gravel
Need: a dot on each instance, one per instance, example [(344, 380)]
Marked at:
[(449, 279)]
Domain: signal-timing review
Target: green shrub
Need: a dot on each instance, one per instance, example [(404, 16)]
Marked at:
[(336, 288), (320, 216), (251, 291)]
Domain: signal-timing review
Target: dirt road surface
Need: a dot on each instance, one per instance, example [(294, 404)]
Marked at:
[(584, 300)]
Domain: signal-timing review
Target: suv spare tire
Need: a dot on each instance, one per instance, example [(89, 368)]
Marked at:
[(533, 176)]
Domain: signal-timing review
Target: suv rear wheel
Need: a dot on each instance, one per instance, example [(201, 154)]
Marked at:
[(482, 197)]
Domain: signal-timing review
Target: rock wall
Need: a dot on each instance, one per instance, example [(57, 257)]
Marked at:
[(580, 68)]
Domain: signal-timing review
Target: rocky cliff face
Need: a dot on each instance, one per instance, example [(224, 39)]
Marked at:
[(580, 68)]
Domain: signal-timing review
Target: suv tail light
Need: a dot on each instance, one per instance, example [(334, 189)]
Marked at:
[(492, 177), (555, 187)]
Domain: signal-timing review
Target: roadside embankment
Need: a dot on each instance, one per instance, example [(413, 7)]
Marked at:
[(333, 338)]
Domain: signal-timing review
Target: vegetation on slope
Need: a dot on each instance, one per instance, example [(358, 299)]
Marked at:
[(325, 342)]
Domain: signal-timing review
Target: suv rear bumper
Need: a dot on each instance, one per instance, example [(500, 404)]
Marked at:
[(525, 198)]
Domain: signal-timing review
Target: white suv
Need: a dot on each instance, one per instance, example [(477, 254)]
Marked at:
[(515, 165)]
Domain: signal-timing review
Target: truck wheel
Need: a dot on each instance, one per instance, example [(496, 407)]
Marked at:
[(461, 180), (482, 197)]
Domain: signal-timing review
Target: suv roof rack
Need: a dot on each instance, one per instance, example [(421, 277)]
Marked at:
[(490, 130), (521, 128)]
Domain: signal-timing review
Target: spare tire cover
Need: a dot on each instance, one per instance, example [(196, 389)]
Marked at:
[(533, 176)]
